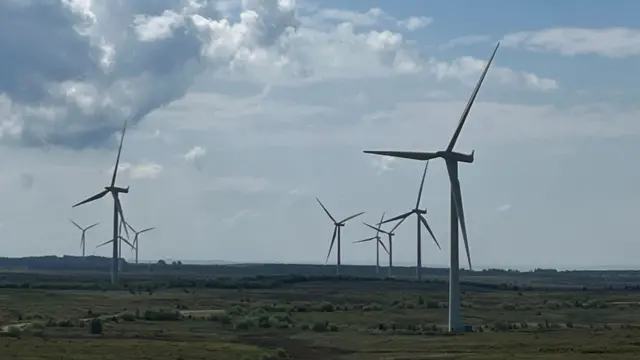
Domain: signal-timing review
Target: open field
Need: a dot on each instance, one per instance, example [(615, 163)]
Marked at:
[(162, 316)]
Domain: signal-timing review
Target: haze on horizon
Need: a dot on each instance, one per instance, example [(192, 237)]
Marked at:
[(244, 111)]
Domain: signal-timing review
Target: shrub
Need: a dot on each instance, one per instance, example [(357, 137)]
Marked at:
[(326, 307), (128, 317), (320, 326)]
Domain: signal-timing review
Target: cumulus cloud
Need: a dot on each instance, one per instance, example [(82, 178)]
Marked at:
[(467, 68), (615, 42), (146, 170), (104, 62), (414, 23), (195, 153)]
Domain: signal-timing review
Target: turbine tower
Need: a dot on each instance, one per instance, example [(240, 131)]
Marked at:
[(378, 243), (422, 221), (82, 237), (390, 235), (136, 245), (452, 159), (337, 225), (117, 208)]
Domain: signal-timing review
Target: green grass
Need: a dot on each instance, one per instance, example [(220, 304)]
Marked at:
[(347, 320)]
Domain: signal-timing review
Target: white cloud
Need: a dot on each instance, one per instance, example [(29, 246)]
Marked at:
[(383, 163), (617, 42), (467, 40), (503, 207), (467, 69), (195, 153), (146, 170), (414, 23)]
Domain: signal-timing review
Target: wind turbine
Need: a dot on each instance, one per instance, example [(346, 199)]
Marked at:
[(117, 209), (390, 235), (82, 237), (337, 225), (135, 237), (378, 243), (452, 159), (422, 221), (120, 238)]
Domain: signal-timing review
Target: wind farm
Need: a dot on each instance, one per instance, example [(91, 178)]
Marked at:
[(230, 121)]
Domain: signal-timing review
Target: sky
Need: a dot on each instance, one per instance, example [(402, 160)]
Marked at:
[(242, 112)]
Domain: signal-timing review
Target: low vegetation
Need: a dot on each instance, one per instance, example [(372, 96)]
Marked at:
[(188, 316)]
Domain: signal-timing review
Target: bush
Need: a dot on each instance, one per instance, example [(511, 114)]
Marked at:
[(96, 327), (128, 317), (320, 326), (326, 307)]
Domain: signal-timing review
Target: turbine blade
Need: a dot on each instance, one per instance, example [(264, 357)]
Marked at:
[(351, 217), (76, 224), (119, 206), (90, 226), (145, 230), (426, 224), (397, 217), (333, 240), (467, 109), (93, 198), (105, 243), (127, 241), (398, 223), (126, 223), (457, 196), (376, 228), (326, 211), (365, 240), (424, 174), (115, 170), (414, 155), (383, 246)]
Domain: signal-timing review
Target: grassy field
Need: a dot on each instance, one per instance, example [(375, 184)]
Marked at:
[(314, 319)]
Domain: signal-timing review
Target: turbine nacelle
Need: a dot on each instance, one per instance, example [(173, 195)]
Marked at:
[(456, 156), (117, 189)]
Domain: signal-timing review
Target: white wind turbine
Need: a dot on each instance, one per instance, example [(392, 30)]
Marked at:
[(83, 236), (136, 235), (117, 209), (378, 243), (452, 158)]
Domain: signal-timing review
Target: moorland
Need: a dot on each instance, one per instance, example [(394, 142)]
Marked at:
[(65, 308)]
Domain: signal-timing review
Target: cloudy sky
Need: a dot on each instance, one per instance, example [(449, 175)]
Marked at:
[(242, 112)]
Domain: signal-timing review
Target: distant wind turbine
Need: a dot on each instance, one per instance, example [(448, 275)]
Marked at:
[(378, 243), (337, 225), (117, 209), (136, 244), (84, 232), (452, 159), (121, 238), (422, 221), (390, 235)]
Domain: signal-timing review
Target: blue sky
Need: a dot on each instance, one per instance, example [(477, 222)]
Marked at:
[(242, 112)]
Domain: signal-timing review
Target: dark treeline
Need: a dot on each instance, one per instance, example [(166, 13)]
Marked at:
[(95, 269)]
